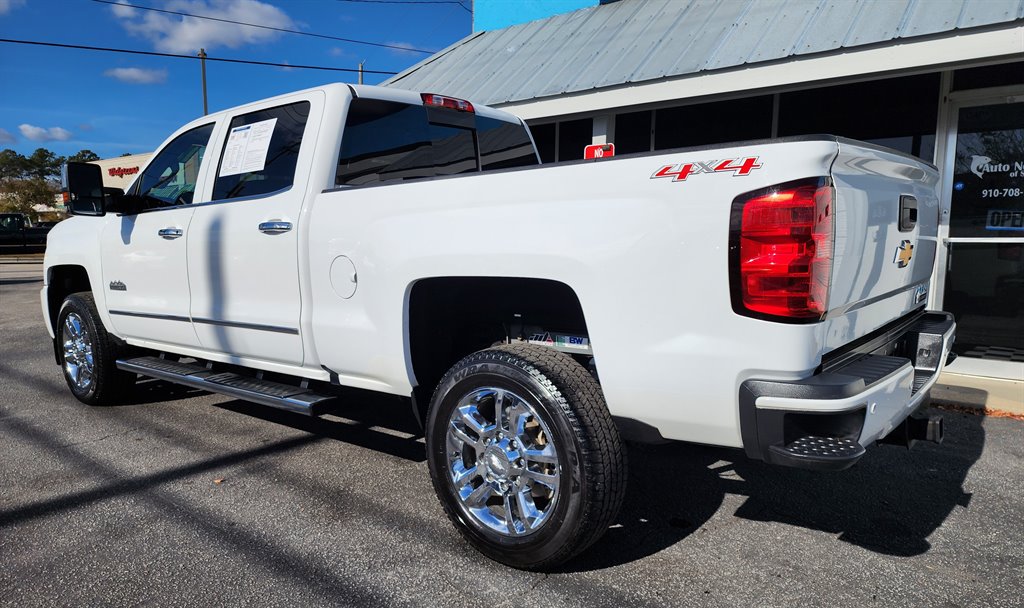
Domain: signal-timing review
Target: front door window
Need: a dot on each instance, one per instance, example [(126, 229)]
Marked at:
[(170, 178)]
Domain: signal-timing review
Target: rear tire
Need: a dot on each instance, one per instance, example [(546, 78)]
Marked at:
[(524, 455), (88, 354)]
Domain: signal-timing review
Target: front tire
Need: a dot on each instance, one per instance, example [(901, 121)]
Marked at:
[(524, 455), (88, 354)]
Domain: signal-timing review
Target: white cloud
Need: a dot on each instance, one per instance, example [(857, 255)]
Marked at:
[(7, 6), (137, 75), (402, 51), (178, 34), (121, 9), (34, 133), (6, 137)]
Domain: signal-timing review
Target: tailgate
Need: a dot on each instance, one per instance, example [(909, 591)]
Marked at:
[(881, 265)]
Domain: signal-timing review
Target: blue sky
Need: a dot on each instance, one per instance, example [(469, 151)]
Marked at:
[(112, 103)]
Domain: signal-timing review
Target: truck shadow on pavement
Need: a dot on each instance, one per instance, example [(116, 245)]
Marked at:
[(368, 420), (888, 503), (157, 391)]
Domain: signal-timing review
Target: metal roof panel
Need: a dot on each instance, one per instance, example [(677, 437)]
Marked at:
[(877, 21), (931, 17), (633, 41), (977, 13)]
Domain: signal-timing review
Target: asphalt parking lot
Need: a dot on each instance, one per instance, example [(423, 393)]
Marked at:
[(192, 499)]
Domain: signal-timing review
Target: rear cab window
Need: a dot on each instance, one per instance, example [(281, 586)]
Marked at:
[(388, 141)]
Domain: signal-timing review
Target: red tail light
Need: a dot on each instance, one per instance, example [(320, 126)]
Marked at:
[(781, 246), (443, 101)]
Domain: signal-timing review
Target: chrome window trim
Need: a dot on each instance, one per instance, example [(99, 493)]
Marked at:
[(215, 202)]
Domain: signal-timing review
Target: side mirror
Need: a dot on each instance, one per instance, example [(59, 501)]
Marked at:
[(82, 184)]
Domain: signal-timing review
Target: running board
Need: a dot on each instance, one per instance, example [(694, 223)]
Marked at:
[(274, 394)]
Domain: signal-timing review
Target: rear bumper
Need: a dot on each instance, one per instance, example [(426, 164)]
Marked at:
[(826, 421)]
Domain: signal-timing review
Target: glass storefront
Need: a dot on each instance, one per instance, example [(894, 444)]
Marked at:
[(984, 279)]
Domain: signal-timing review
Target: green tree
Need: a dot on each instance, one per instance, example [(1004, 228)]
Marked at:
[(44, 164), (12, 165), (83, 156), (22, 195), (28, 181)]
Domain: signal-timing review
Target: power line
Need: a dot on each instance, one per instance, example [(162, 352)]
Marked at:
[(266, 27), (176, 56), (456, 2)]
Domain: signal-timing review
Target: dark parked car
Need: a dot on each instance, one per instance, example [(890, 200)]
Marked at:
[(19, 235)]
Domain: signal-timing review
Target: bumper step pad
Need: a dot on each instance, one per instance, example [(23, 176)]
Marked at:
[(274, 394), (822, 450)]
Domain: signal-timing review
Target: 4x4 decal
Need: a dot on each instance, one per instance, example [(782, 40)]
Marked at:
[(679, 172)]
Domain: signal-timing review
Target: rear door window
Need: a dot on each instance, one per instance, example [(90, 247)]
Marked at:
[(261, 151)]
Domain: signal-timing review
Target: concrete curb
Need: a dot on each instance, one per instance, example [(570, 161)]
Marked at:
[(21, 259), (979, 392)]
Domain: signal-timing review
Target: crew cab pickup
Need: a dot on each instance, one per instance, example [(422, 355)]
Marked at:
[(767, 296), (19, 235)]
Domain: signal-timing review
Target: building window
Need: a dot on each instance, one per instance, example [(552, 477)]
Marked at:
[(573, 136), (899, 113), (544, 139), (1002, 75), (633, 132), (713, 123)]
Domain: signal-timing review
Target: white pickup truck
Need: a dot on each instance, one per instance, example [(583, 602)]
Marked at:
[(766, 295)]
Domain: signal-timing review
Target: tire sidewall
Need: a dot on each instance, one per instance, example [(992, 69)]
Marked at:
[(467, 376)]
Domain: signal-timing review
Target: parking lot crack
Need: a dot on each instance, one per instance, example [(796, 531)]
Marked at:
[(97, 440), (533, 587)]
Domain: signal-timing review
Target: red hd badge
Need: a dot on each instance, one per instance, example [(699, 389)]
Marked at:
[(599, 151)]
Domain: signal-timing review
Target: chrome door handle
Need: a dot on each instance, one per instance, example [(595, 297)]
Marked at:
[(275, 227), (171, 233)]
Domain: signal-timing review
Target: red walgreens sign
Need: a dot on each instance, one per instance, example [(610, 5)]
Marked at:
[(122, 171), (599, 151)]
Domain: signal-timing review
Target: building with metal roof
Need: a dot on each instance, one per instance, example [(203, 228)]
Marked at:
[(620, 46), (939, 79)]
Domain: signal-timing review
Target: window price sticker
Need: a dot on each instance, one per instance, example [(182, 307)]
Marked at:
[(247, 147)]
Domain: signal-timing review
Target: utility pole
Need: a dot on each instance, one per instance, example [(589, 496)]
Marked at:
[(361, 71), (202, 61)]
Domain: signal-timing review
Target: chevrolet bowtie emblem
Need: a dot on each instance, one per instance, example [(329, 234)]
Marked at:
[(903, 254)]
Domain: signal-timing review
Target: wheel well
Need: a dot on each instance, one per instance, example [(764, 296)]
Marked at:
[(451, 317), (64, 281)]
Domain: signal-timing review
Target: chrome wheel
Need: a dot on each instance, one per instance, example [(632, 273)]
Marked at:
[(502, 463), (78, 358)]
